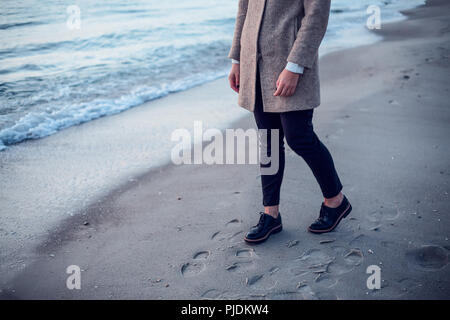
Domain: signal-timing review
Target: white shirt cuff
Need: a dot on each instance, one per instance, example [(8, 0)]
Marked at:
[(293, 67)]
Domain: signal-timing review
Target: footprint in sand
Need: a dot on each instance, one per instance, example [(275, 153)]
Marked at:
[(320, 289), (263, 281), (427, 258), (203, 255), (239, 265), (377, 217), (354, 257), (229, 232), (313, 261), (191, 269), (315, 256), (325, 280), (346, 260), (391, 214), (244, 260), (319, 264), (338, 267), (234, 221), (197, 265), (385, 214), (245, 253)]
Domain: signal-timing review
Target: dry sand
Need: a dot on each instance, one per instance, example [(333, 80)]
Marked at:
[(176, 232)]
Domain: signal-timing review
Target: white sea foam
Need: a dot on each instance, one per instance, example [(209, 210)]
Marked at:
[(37, 125)]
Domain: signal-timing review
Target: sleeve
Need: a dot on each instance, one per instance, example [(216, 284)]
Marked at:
[(312, 30), (293, 67), (240, 19)]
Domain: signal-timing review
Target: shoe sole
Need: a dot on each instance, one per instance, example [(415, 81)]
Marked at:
[(260, 240), (342, 216)]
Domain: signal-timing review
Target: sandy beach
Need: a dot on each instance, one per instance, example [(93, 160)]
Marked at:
[(176, 232)]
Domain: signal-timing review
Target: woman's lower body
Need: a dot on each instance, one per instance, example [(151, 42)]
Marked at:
[(297, 128)]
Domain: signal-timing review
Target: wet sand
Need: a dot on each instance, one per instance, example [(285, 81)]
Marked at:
[(177, 232)]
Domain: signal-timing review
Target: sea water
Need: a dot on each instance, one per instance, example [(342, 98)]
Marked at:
[(54, 75)]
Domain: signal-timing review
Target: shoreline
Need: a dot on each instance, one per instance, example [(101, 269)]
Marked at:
[(130, 101), (330, 118)]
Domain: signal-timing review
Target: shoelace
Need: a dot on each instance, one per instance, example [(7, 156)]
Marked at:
[(261, 219), (321, 214)]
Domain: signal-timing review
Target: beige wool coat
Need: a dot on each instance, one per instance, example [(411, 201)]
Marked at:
[(268, 34)]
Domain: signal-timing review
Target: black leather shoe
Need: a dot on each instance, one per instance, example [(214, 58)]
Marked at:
[(266, 226), (330, 217)]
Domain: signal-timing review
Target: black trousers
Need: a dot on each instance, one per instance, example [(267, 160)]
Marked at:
[(297, 128)]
